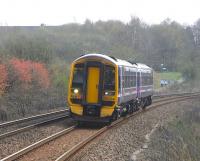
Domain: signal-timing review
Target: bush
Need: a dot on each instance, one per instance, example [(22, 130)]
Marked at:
[(26, 89)]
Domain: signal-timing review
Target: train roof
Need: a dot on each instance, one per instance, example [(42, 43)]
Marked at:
[(115, 60), (125, 63), (110, 58), (144, 66)]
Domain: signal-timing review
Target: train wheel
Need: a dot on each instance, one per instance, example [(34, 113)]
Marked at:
[(144, 103), (135, 107), (131, 110), (150, 100), (115, 116), (80, 123)]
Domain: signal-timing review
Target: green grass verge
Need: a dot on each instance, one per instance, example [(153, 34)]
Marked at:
[(170, 76), (174, 76)]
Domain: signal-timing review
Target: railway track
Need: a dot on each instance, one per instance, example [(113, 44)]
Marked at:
[(25, 128), (50, 117), (63, 145), (60, 112), (156, 96), (17, 126), (31, 118)]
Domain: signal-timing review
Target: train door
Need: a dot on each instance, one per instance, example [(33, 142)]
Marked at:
[(138, 84), (93, 75)]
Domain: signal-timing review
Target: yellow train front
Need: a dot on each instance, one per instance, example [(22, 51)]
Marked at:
[(93, 91), (103, 88)]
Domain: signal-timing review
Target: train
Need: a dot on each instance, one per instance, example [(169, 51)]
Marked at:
[(103, 88)]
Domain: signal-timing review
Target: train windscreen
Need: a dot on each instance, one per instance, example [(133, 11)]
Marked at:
[(109, 80), (77, 83)]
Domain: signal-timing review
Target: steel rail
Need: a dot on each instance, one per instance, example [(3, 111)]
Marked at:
[(25, 128), (9, 123), (16, 155), (173, 94), (155, 100), (67, 155), (74, 149), (32, 117)]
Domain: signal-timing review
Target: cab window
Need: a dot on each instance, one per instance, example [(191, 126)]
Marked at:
[(77, 76), (77, 84), (109, 78)]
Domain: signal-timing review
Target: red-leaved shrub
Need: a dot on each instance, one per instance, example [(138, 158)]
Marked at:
[(41, 74), (27, 71), (22, 69), (3, 78)]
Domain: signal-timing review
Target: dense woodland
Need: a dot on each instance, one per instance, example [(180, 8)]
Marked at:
[(34, 61)]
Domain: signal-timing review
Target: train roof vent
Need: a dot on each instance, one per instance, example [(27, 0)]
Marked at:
[(113, 58), (132, 62)]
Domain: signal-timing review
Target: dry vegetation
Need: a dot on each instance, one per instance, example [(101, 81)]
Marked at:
[(179, 140)]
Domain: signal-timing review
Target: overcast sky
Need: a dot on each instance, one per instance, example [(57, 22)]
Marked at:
[(58, 12)]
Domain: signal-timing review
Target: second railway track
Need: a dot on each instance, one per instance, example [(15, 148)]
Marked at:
[(22, 129), (64, 144), (16, 126), (31, 118)]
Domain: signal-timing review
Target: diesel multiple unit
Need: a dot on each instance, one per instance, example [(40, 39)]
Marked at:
[(103, 88)]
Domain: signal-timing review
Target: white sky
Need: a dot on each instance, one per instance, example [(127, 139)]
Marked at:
[(58, 12)]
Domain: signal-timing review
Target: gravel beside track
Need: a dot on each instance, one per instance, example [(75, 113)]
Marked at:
[(118, 142), (14, 143), (122, 142), (57, 147)]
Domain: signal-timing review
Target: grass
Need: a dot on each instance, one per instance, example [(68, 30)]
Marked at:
[(156, 80), (174, 76), (170, 76)]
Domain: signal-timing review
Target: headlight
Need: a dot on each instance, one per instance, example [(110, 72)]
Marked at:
[(76, 91), (109, 93)]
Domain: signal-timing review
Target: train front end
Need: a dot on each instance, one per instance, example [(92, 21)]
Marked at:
[(92, 91)]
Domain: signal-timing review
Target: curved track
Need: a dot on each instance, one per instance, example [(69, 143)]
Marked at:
[(69, 154), (37, 120), (64, 144)]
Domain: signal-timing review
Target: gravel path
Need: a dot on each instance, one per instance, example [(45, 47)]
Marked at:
[(57, 147), (121, 143), (14, 143)]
